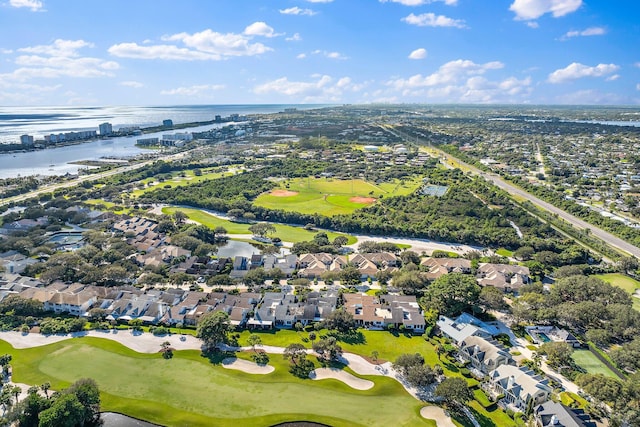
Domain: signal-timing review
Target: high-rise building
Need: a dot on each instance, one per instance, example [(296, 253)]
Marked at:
[(167, 123), (105, 129), (26, 140)]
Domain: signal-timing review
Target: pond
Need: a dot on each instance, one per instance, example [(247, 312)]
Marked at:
[(234, 248), (112, 419)]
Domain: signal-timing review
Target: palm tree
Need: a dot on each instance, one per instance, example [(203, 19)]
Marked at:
[(439, 350), (16, 390), (374, 356), (45, 388)]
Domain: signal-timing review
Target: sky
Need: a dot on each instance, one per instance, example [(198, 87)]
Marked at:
[(169, 52)]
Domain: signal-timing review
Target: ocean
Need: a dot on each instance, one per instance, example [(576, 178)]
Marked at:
[(40, 121)]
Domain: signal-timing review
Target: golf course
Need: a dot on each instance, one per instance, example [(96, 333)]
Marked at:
[(329, 196), (191, 390)]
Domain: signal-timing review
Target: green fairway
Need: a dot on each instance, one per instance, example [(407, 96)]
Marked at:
[(624, 282), (328, 196), (177, 180), (591, 364), (189, 390), (286, 232), (620, 280)]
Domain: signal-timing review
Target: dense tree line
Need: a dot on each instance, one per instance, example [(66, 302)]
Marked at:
[(76, 406), (588, 304)]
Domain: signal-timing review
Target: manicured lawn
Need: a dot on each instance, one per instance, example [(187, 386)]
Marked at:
[(190, 390), (567, 398), (591, 364), (625, 282), (621, 281), (286, 232), (328, 196), (388, 345), (179, 181), (504, 252)]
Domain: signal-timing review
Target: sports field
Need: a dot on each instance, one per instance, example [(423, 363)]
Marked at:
[(591, 364), (191, 390), (329, 196)]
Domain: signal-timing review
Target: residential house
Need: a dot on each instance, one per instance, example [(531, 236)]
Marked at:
[(509, 278), (484, 355), (14, 262), (372, 312), (522, 389), (441, 266), (459, 331), (282, 310), (554, 414), (287, 264), (314, 265)]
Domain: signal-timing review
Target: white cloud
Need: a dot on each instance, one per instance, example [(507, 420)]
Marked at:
[(433, 20), (197, 90), (294, 38), (59, 59), (612, 78), (162, 51), (6, 51), (323, 89), (34, 5), (451, 72), (319, 1), (459, 81), (420, 53), (638, 86), (526, 10), (298, 11), (201, 46), (131, 83), (637, 64), (591, 31), (301, 55), (60, 47), (330, 55), (576, 70), (260, 29), (533, 24), (420, 2)]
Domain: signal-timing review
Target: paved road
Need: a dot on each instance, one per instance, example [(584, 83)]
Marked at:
[(497, 180)]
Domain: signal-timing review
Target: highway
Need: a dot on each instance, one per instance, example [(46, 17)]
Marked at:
[(513, 190)]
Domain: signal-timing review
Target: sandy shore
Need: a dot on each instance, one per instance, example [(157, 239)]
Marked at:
[(340, 375), (437, 413), (246, 366)]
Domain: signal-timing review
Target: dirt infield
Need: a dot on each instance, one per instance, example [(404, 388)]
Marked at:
[(283, 193), (360, 199)]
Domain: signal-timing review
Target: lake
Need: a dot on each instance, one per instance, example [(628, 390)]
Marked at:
[(234, 248)]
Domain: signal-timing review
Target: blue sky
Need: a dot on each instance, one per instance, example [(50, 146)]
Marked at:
[(161, 52)]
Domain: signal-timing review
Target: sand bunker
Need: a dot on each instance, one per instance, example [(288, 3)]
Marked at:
[(365, 200), (284, 193), (340, 375), (436, 413), (246, 366)]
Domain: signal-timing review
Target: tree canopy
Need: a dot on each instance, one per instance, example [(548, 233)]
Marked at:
[(213, 328)]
